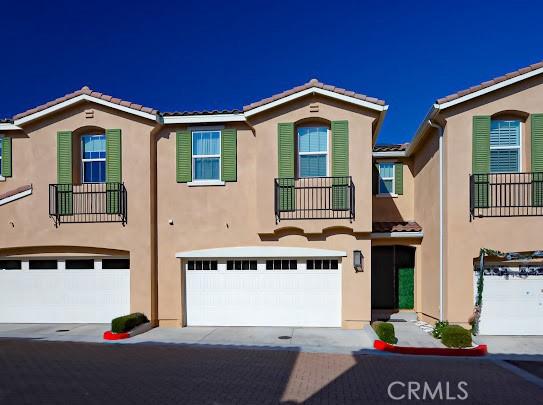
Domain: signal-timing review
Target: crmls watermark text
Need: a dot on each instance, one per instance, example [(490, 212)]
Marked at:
[(415, 390)]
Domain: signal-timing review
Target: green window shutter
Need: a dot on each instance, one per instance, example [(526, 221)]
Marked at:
[(6, 156), (113, 170), (340, 165), (537, 159), (398, 178), (64, 173), (229, 155), (481, 160), (183, 156), (285, 146)]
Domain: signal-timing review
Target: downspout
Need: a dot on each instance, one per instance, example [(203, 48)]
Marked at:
[(441, 261)]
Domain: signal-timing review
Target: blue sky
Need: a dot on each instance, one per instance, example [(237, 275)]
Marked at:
[(203, 55)]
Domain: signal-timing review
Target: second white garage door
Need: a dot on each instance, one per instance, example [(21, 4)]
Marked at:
[(260, 292)]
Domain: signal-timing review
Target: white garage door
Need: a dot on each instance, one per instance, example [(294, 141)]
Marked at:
[(512, 305), (63, 291), (260, 292)]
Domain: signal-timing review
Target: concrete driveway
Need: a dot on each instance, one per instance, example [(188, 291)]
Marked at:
[(326, 340)]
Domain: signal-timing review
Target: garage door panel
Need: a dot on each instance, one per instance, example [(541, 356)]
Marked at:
[(264, 298), (511, 305), (63, 296)]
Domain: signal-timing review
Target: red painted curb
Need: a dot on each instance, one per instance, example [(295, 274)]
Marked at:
[(480, 350), (109, 335)]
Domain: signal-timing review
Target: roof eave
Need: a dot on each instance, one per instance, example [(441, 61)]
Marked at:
[(78, 99), (423, 127), (203, 118), (316, 90), (7, 126)]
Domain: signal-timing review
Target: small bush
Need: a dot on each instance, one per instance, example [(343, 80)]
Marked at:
[(127, 322), (385, 331), (438, 329), (456, 336)]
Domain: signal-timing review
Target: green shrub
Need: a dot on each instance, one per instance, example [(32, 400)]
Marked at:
[(456, 336), (127, 322), (385, 331), (438, 329)]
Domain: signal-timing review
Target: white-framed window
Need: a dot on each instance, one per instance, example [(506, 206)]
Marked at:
[(313, 151), (206, 155), (93, 158), (505, 150), (386, 178)]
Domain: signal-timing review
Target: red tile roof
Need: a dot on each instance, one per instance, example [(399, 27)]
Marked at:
[(204, 112), (489, 83), (391, 147), (397, 226), (89, 92), (308, 85), (17, 190)]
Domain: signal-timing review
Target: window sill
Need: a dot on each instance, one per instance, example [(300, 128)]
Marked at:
[(2, 178), (387, 195), (204, 183)]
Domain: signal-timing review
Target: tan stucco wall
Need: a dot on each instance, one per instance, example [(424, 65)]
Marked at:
[(401, 207), (25, 223), (465, 238), (242, 213), (426, 209)]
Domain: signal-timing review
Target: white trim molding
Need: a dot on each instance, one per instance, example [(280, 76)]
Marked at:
[(386, 235), (15, 196), (202, 118), (259, 252), (316, 90), (78, 99), (6, 126), (205, 183), (392, 154)]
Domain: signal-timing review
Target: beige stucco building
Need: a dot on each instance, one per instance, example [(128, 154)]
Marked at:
[(286, 212)]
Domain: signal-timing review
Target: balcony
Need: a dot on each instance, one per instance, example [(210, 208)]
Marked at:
[(506, 195), (314, 198), (88, 203)]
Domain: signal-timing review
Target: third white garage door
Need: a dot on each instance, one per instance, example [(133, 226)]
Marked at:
[(263, 292)]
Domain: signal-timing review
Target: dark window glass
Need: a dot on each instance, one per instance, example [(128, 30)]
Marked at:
[(277, 264), (10, 264), (108, 264), (333, 264), (205, 265), (269, 264), (245, 265), (43, 264), (213, 265), (253, 265), (238, 264), (310, 264), (191, 265), (80, 264), (318, 264), (230, 265), (198, 264), (326, 264), (284, 264), (293, 264)]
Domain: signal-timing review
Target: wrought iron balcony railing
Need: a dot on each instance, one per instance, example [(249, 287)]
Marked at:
[(506, 194), (314, 198), (88, 202)]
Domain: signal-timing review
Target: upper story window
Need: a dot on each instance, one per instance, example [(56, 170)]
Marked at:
[(93, 158), (386, 178), (206, 155), (313, 151), (505, 146)]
